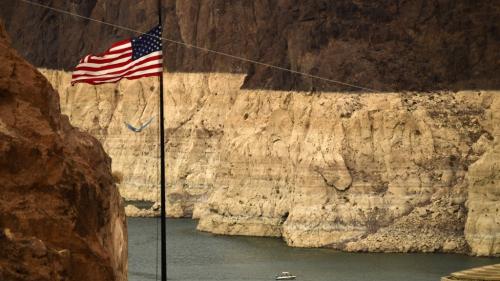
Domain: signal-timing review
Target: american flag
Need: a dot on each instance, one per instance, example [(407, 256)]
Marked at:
[(133, 58)]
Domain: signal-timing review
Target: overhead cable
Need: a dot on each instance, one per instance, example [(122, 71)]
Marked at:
[(205, 49)]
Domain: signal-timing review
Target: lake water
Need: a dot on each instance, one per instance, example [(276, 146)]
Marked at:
[(194, 255)]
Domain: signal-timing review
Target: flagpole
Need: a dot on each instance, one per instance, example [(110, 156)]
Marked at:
[(162, 170)]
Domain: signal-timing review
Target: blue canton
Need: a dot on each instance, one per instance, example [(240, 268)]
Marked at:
[(146, 43)]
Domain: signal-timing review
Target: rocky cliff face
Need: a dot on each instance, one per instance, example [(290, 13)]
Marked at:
[(196, 107), (388, 45), (358, 172), (61, 216), (263, 152), (483, 221)]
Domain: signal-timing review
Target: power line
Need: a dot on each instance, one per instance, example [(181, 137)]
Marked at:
[(205, 49)]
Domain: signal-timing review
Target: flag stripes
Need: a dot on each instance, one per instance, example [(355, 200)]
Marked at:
[(118, 61)]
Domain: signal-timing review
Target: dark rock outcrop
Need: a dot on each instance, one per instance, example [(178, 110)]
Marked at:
[(61, 216), (389, 45)]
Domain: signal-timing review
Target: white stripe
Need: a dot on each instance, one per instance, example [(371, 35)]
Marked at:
[(104, 72), (110, 80), (139, 73), (135, 75), (98, 65), (107, 81), (110, 56), (123, 46), (117, 74)]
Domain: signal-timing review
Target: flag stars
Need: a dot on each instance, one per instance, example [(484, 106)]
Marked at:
[(146, 44)]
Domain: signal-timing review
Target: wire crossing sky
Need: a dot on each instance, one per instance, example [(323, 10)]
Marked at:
[(206, 49)]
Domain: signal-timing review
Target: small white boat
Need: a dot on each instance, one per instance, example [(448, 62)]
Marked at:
[(285, 276)]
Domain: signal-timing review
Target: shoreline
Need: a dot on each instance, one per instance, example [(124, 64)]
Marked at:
[(194, 255), (465, 254)]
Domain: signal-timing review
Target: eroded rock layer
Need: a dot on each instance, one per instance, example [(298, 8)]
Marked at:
[(61, 216), (483, 222), (267, 152), (359, 172), (391, 45)]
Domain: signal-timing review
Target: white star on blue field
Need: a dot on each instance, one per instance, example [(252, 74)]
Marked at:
[(147, 43)]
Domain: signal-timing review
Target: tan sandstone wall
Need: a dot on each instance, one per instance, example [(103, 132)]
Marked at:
[(196, 107), (483, 224), (359, 172)]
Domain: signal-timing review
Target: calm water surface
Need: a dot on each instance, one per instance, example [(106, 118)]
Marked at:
[(199, 256)]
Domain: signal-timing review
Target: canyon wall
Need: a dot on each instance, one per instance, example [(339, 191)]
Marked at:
[(358, 172), (483, 219), (61, 216), (390, 45), (411, 166)]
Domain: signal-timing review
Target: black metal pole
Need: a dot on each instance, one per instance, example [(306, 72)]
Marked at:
[(162, 171)]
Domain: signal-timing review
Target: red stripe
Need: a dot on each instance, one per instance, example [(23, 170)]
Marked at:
[(112, 69), (90, 81), (119, 43), (108, 52), (92, 60), (150, 67), (144, 75), (107, 67), (97, 78), (118, 71)]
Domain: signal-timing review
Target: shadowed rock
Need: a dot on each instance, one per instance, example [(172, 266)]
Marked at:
[(61, 216)]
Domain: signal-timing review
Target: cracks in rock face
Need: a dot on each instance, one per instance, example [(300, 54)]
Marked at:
[(283, 218), (172, 131), (144, 100), (327, 182), (330, 182), (210, 132), (13, 71), (116, 101), (373, 220)]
